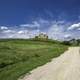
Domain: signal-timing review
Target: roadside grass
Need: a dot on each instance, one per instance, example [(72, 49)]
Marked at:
[(18, 57)]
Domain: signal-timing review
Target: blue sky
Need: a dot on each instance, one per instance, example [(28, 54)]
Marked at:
[(59, 19)]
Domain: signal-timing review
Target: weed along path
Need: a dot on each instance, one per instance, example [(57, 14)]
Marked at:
[(64, 67)]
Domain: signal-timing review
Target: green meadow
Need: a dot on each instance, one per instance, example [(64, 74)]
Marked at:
[(18, 57)]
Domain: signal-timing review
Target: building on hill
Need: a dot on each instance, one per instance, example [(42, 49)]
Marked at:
[(42, 36)]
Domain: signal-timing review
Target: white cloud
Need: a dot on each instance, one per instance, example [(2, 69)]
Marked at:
[(67, 36), (20, 36), (74, 26), (26, 25), (20, 32), (34, 24), (54, 29), (78, 29), (3, 27), (8, 31), (25, 34)]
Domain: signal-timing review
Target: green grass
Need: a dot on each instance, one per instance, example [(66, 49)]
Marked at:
[(18, 57)]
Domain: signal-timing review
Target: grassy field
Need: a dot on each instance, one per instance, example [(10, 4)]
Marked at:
[(18, 57)]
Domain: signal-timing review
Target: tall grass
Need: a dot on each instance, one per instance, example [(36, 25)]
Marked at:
[(18, 57)]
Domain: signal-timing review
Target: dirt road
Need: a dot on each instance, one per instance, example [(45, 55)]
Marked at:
[(65, 67)]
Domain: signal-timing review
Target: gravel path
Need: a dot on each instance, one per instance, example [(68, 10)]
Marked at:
[(65, 67)]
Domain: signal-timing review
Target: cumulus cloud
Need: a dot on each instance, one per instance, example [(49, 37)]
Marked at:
[(74, 26), (8, 31), (54, 29), (20, 32), (78, 29), (57, 30), (3, 27), (67, 36), (20, 36), (34, 24)]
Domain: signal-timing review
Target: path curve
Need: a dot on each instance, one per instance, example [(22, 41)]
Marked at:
[(65, 67)]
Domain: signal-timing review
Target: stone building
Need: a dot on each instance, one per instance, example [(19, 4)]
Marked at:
[(42, 36)]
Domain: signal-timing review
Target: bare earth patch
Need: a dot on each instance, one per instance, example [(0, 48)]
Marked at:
[(65, 67)]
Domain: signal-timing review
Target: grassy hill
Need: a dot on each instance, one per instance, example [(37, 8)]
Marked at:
[(18, 57)]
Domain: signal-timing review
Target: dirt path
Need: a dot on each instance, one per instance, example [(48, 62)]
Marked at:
[(65, 67)]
